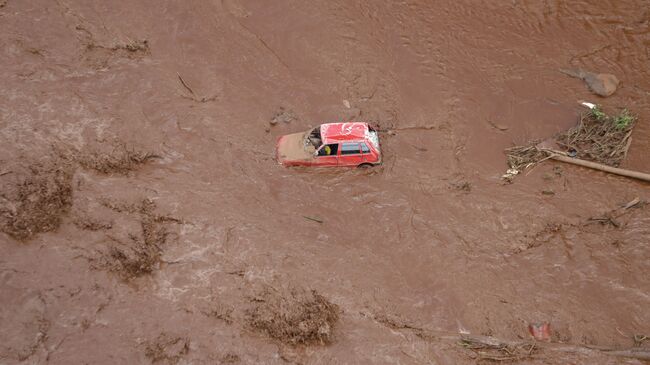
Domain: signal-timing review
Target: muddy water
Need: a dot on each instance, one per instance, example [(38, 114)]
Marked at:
[(431, 238)]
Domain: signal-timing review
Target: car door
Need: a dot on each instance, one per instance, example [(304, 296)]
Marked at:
[(350, 154), (327, 155), (368, 155)]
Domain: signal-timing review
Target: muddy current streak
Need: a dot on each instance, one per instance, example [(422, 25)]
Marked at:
[(144, 219)]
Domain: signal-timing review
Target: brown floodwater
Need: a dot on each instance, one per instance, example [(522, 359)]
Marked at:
[(433, 238)]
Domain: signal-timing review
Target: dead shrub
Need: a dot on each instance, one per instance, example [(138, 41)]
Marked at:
[(134, 261), (294, 316), (119, 160), (600, 137), (143, 254), (167, 349), (35, 201)]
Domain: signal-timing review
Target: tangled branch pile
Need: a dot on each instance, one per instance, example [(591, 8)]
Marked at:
[(36, 201), (142, 256), (520, 157), (294, 317), (598, 137)]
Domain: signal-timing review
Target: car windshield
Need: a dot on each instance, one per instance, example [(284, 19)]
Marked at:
[(314, 138)]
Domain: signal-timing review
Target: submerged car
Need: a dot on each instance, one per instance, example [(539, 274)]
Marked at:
[(351, 144)]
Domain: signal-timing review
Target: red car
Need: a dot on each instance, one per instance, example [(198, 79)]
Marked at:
[(331, 144)]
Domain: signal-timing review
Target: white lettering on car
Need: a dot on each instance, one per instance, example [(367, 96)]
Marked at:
[(346, 129)]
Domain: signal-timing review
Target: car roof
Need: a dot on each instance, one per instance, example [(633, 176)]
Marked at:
[(337, 132)]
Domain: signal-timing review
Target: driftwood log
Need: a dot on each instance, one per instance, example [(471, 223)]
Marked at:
[(559, 156), (641, 353)]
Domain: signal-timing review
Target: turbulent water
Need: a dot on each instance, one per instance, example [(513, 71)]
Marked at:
[(433, 239)]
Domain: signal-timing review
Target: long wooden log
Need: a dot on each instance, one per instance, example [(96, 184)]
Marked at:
[(642, 353), (597, 166)]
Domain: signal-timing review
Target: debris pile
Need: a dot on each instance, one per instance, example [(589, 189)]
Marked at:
[(294, 316), (598, 137), (142, 255), (521, 157), (36, 200)]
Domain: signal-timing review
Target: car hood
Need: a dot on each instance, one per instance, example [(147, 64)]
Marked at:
[(292, 148)]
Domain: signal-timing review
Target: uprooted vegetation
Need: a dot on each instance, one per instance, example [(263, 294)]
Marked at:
[(36, 200), (167, 349), (118, 159), (294, 316), (598, 137), (143, 253)]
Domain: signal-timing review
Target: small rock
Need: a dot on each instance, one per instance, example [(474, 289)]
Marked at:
[(346, 104), (602, 84), (283, 115)]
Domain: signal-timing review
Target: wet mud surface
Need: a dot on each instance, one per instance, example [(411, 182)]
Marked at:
[(165, 248)]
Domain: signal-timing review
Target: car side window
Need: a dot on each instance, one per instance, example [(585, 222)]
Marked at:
[(329, 150), (350, 149), (365, 148)]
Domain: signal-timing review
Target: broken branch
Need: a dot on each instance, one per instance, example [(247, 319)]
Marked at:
[(317, 220), (186, 85)]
